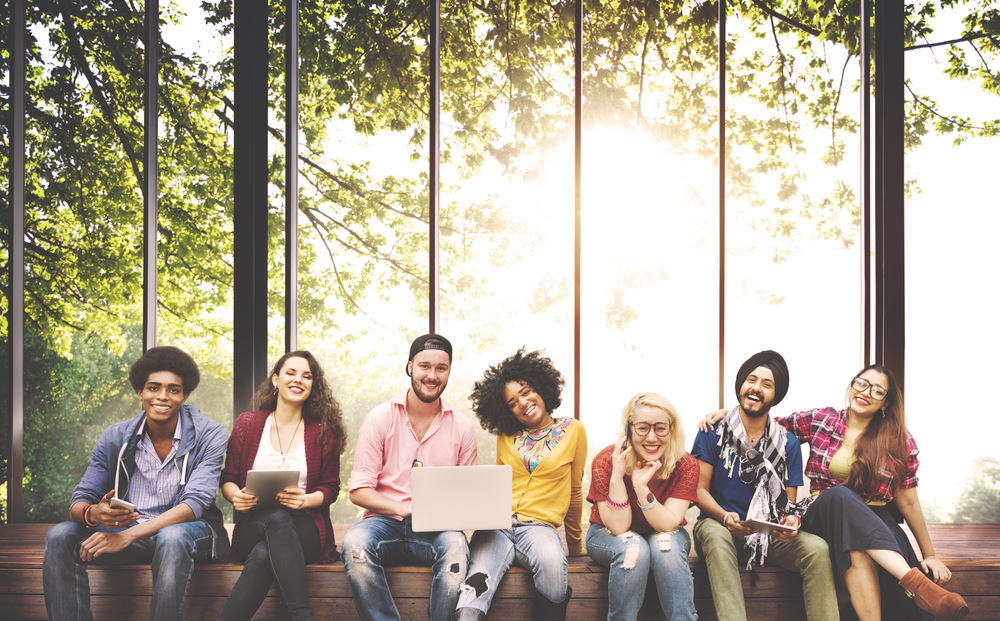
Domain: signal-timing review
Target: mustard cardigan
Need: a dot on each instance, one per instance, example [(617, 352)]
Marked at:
[(553, 492)]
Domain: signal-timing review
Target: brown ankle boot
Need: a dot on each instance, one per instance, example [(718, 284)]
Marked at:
[(937, 600)]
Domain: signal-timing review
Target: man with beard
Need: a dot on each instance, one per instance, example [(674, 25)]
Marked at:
[(415, 429), (750, 469)]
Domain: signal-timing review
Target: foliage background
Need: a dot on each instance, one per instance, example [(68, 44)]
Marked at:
[(507, 92)]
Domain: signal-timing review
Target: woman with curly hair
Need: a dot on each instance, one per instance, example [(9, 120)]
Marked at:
[(515, 400), (296, 425), (641, 487)]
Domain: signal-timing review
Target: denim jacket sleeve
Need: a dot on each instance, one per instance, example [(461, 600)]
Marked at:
[(204, 469)]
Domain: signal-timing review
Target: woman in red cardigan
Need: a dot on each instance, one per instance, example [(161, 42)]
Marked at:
[(296, 425)]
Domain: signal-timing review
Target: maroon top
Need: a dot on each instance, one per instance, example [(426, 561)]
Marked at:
[(682, 483), (322, 470)]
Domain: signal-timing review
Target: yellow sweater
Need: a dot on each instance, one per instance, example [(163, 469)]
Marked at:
[(553, 492)]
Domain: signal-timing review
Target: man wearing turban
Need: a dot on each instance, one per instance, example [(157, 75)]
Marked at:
[(750, 469)]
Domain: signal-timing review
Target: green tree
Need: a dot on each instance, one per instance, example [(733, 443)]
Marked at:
[(980, 501), (506, 98)]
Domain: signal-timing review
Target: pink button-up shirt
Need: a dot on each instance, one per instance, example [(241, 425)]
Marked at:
[(387, 448)]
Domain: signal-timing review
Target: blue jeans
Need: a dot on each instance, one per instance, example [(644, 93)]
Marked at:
[(630, 557), (172, 551), (532, 545), (378, 542)]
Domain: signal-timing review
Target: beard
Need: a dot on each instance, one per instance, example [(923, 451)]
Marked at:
[(420, 391), (754, 409)]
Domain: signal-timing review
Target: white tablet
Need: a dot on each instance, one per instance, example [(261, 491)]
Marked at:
[(765, 527), (265, 484)]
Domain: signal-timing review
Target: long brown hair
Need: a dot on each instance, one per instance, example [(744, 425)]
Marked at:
[(882, 449), (321, 406)]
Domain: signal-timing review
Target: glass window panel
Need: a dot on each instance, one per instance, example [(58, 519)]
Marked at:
[(83, 239), (363, 233), (793, 264), (195, 253), (650, 212), (506, 190), (277, 111), (951, 292), (5, 65)]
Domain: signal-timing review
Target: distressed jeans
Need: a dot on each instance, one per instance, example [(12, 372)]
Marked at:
[(630, 557), (806, 554), (378, 542), (172, 551), (532, 545)]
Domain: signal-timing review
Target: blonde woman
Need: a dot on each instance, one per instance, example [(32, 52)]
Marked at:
[(641, 487)]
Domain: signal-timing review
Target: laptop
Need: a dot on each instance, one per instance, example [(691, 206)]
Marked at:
[(460, 498)]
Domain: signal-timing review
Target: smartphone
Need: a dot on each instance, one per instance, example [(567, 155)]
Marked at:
[(118, 503)]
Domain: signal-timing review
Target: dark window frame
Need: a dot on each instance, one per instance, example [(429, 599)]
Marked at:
[(882, 278)]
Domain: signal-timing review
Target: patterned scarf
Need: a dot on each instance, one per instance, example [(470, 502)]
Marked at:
[(769, 501), (533, 445)]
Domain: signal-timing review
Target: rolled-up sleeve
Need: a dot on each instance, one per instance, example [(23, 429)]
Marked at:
[(912, 463), (367, 455)]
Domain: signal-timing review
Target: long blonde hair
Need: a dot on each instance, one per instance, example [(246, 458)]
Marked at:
[(675, 441)]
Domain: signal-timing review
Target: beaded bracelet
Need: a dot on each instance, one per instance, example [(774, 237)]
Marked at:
[(616, 505)]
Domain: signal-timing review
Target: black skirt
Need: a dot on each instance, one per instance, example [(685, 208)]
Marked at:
[(843, 519)]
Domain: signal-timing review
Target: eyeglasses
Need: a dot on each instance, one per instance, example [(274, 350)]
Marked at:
[(860, 384), (642, 429)]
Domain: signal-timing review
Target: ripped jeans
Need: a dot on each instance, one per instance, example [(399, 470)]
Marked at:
[(630, 558), (377, 542), (533, 545)]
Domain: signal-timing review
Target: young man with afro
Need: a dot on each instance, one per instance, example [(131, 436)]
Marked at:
[(165, 463)]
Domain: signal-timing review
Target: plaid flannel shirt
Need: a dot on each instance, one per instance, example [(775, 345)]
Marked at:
[(823, 429)]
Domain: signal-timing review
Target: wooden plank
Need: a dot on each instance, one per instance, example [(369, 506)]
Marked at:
[(972, 551), (22, 607)]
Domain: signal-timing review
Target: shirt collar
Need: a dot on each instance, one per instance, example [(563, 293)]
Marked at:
[(177, 429)]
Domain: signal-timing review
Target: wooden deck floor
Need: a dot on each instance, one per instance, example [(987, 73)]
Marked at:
[(971, 551)]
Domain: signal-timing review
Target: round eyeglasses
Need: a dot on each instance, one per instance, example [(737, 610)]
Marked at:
[(660, 429), (860, 384)]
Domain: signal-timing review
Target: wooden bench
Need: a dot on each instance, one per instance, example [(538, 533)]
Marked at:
[(123, 592)]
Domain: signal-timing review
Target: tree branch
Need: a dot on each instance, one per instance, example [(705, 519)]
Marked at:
[(784, 18), (949, 119), (968, 37)]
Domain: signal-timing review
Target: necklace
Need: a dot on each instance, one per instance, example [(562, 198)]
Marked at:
[(277, 432)]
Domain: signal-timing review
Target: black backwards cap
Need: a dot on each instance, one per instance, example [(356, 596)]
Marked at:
[(771, 360), (429, 341)]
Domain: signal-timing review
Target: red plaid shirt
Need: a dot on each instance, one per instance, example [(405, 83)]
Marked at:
[(823, 429)]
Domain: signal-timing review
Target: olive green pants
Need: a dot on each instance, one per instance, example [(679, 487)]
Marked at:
[(806, 554)]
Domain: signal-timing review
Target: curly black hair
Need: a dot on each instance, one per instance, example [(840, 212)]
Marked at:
[(531, 368), (321, 406), (165, 358)]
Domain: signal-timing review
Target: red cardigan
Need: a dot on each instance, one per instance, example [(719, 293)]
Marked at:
[(322, 470)]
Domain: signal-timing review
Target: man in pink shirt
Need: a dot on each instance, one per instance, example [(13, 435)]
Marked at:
[(417, 428)]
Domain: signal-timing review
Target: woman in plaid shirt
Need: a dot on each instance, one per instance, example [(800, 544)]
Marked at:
[(862, 469)]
